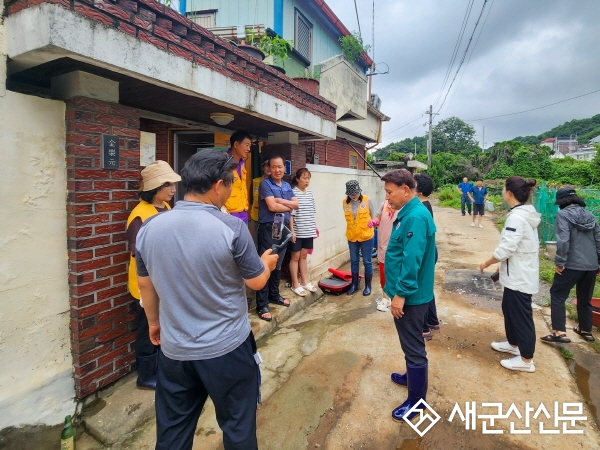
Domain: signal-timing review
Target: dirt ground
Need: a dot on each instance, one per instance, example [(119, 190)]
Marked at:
[(326, 372)]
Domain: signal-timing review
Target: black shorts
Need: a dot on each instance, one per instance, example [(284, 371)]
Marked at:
[(306, 243), (479, 209)]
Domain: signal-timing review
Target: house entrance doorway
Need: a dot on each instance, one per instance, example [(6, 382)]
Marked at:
[(186, 143)]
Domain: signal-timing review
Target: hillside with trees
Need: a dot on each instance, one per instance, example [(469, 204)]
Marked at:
[(455, 154), (583, 129)]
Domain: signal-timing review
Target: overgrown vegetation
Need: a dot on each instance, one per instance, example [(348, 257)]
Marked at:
[(353, 47), (276, 47), (449, 197), (567, 354), (584, 129), (455, 154), (571, 312)]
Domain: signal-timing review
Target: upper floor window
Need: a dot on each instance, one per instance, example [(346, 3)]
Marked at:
[(303, 36), (353, 160), (206, 19)]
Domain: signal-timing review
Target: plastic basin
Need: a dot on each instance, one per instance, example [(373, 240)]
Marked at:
[(595, 310)]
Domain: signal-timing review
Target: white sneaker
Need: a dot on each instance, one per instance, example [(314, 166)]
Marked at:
[(506, 348), (472, 224), (480, 226), (517, 363)]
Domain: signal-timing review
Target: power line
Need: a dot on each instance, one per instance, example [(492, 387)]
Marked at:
[(456, 47), (534, 109), (464, 55), (373, 33), (407, 123), (403, 133), (357, 19), (472, 51)]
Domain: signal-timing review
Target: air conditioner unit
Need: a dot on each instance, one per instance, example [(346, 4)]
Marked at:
[(376, 101)]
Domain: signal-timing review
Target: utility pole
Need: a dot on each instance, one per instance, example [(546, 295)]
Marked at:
[(483, 141), (429, 142)]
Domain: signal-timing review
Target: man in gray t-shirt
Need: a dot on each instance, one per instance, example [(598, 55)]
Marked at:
[(193, 263)]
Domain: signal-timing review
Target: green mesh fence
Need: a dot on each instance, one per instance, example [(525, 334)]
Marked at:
[(543, 200)]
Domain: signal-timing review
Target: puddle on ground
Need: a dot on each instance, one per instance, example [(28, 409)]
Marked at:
[(411, 444), (585, 368)]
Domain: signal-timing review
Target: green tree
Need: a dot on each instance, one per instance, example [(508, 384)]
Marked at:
[(453, 135), (405, 146)]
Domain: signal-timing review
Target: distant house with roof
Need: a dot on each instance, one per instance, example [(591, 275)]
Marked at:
[(562, 146)]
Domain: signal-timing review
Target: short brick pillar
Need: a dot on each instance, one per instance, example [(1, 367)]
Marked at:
[(98, 204)]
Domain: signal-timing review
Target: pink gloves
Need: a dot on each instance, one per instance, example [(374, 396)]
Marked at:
[(373, 223)]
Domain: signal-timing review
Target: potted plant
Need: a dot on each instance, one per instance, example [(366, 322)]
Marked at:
[(277, 48), (248, 45), (310, 81)]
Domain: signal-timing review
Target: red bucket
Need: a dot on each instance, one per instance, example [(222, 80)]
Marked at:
[(595, 310)]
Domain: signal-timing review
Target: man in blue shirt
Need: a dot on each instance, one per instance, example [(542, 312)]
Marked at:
[(478, 196), (464, 188), (274, 196)]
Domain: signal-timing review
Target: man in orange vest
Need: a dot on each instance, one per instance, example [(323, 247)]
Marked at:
[(237, 205)]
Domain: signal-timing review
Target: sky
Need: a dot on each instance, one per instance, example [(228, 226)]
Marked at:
[(523, 55)]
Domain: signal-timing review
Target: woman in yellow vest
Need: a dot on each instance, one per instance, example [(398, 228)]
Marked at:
[(360, 219), (156, 189)]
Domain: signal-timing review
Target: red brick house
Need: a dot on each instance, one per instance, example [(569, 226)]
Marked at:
[(76, 75)]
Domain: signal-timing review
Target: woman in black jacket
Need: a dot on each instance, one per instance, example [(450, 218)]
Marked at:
[(576, 264)]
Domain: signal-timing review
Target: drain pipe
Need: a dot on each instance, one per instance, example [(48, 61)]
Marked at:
[(361, 157), (326, 144)]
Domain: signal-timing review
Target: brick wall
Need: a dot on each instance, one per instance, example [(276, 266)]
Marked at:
[(98, 204), (338, 153), (158, 25)]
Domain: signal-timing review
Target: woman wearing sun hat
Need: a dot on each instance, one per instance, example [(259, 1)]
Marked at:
[(360, 219), (156, 189)]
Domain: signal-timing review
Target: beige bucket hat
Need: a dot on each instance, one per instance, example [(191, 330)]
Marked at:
[(157, 174)]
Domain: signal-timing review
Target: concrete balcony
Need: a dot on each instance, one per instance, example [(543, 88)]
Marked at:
[(163, 63), (343, 84)]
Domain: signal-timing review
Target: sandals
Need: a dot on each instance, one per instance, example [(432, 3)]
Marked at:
[(562, 338), (299, 291), (262, 311), (427, 336), (584, 334), (434, 327), (310, 287), (281, 302)]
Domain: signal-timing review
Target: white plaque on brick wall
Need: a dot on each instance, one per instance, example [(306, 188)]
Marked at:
[(147, 148)]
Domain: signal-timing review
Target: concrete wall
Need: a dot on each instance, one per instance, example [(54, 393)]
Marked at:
[(344, 85), (328, 185), (36, 384), (369, 128)]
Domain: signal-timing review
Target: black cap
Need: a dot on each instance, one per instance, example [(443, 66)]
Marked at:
[(564, 193)]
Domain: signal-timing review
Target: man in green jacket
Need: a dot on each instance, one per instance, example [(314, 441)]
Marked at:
[(409, 274)]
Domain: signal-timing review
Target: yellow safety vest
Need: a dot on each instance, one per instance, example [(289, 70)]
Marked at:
[(144, 211), (238, 200), (356, 228)]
